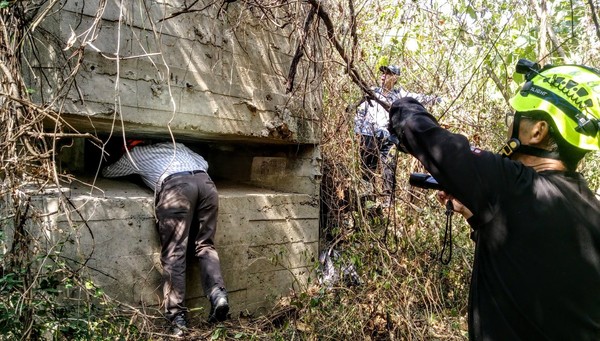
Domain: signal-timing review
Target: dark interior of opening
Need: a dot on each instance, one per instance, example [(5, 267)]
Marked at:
[(228, 161)]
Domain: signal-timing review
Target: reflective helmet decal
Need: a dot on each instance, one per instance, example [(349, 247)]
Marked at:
[(570, 95), (566, 107)]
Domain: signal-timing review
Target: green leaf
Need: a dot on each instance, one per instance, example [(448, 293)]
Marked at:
[(471, 12), (4, 4)]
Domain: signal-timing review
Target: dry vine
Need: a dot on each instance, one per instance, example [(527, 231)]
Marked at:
[(405, 294), (33, 133)]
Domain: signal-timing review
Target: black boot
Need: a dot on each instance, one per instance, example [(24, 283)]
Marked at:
[(179, 325), (219, 305)]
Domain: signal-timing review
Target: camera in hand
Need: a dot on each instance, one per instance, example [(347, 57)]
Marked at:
[(423, 180)]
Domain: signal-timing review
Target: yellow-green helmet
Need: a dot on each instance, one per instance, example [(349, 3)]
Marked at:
[(569, 94)]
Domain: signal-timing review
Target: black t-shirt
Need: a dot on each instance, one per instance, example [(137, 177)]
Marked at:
[(536, 273)]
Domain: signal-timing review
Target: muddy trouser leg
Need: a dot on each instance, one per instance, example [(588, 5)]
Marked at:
[(174, 210), (206, 222)]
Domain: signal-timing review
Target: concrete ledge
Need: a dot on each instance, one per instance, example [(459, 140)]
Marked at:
[(267, 242)]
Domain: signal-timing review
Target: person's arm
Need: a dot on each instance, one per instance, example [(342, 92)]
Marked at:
[(122, 167), (469, 175)]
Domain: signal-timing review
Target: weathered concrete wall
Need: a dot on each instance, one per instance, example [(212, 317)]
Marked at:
[(216, 80), (266, 241), (210, 74)]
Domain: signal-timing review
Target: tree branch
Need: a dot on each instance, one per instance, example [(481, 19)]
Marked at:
[(354, 74), (546, 29), (594, 17), (299, 51)]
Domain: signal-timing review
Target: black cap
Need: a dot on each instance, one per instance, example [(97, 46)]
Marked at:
[(390, 68)]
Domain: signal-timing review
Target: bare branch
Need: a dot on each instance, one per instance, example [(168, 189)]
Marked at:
[(299, 51), (350, 68), (546, 30), (594, 17)]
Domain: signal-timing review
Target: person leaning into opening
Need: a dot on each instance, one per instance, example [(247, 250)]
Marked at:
[(536, 223), (187, 205)]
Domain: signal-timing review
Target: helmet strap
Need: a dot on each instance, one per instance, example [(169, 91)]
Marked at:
[(510, 147), (514, 144), (539, 152)]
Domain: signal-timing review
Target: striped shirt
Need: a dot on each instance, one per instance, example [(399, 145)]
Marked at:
[(155, 162)]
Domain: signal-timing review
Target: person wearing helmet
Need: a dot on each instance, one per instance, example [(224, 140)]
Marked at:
[(535, 221)]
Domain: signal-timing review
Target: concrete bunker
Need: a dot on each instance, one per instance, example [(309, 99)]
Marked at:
[(218, 91), (268, 222)]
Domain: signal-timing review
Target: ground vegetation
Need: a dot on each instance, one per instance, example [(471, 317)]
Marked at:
[(461, 51)]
